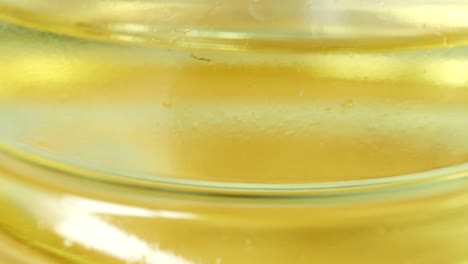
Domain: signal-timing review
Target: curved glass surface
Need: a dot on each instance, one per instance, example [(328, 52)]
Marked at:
[(222, 132)]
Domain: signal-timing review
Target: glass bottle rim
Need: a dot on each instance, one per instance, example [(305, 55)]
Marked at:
[(451, 176), (261, 26)]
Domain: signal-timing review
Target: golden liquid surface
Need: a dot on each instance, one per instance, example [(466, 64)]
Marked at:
[(229, 117), (234, 117)]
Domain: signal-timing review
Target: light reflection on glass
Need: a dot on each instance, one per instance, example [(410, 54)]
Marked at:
[(99, 207), (77, 220)]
